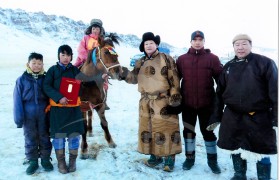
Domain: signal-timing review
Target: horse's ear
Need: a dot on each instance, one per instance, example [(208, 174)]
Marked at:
[(101, 41), (89, 57)]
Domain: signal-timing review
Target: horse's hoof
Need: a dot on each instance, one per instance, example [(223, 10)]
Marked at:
[(112, 145), (84, 156)]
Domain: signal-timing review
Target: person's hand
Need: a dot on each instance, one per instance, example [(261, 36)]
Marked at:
[(123, 73), (212, 126), (63, 101), (175, 100), (105, 77)]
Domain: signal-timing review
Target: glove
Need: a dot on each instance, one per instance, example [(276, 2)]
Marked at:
[(214, 121), (123, 73), (174, 110), (211, 127), (175, 99)]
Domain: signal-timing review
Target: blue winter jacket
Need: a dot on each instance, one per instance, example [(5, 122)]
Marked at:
[(29, 98)]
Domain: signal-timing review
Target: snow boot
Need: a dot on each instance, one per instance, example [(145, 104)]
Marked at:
[(46, 164), (263, 171), (213, 163), (33, 166), (211, 150), (154, 161), (61, 164), (190, 154), (169, 162), (73, 153), (240, 167)]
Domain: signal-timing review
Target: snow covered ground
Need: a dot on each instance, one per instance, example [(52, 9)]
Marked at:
[(123, 162)]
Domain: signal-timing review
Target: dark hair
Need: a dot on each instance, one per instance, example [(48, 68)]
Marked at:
[(65, 49), (36, 56), (88, 30)]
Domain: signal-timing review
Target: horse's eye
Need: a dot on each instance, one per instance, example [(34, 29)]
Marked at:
[(107, 52)]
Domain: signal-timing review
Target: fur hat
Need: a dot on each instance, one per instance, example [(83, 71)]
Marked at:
[(241, 37), (96, 22), (149, 36), (197, 34)]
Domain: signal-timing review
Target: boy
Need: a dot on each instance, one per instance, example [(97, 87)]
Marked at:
[(29, 112)]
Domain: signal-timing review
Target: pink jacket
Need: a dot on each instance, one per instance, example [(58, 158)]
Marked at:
[(88, 43)]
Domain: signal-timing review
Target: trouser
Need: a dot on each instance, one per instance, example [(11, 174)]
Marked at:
[(73, 143), (189, 116), (36, 137)]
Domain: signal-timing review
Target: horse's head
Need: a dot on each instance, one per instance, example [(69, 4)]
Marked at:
[(107, 55)]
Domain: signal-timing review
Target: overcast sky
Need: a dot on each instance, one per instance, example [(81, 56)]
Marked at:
[(174, 21)]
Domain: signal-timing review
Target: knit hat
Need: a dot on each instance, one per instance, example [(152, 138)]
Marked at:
[(197, 34), (96, 22), (241, 37), (149, 36)]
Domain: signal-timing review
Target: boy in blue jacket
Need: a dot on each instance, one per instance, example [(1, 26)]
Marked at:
[(29, 112)]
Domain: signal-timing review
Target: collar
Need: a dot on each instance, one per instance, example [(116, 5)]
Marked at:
[(152, 56), (34, 75)]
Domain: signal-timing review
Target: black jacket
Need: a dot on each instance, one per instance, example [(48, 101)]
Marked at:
[(244, 87)]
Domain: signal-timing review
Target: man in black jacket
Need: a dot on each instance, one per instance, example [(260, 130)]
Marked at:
[(248, 89)]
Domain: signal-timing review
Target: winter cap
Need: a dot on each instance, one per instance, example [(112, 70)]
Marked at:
[(241, 37), (149, 36), (96, 22), (197, 34)]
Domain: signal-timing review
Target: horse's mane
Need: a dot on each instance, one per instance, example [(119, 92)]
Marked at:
[(111, 38)]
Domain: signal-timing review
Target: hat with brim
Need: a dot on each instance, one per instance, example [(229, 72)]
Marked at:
[(149, 36)]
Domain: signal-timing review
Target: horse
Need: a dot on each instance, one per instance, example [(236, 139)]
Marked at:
[(103, 60)]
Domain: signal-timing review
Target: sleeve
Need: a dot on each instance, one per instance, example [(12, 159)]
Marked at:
[(18, 110), (82, 51), (179, 68), (131, 77), (272, 79), (217, 68), (174, 82), (48, 86)]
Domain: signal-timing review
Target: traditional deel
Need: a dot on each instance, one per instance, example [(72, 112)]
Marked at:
[(158, 82)]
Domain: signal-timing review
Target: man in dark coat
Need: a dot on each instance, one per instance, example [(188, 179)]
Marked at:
[(248, 88), (198, 69)]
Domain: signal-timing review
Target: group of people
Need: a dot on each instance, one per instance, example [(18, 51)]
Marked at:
[(244, 103)]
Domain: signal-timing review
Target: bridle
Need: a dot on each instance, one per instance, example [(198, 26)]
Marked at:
[(112, 51)]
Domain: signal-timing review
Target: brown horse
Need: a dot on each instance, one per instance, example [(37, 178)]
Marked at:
[(101, 60)]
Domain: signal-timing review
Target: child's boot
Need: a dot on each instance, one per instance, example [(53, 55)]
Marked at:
[(73, 153), (33, 166), (154, 161), (61, 164), (46, 164)]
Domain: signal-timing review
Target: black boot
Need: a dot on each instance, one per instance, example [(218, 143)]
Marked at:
[(190, 153), (154, 161), (169, 162), (61, 164), (240, 167), (213, 163), (46, 164), (189, 162), (263, 171), (33, 166)]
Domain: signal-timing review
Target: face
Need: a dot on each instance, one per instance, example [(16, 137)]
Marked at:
[(150, 47), (242, 48), (36, 65), (64, 58), (95, 31), (197, 43)]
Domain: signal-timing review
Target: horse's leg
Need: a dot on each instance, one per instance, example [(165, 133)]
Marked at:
[(89, 123), (84, 145), (104, 125)]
